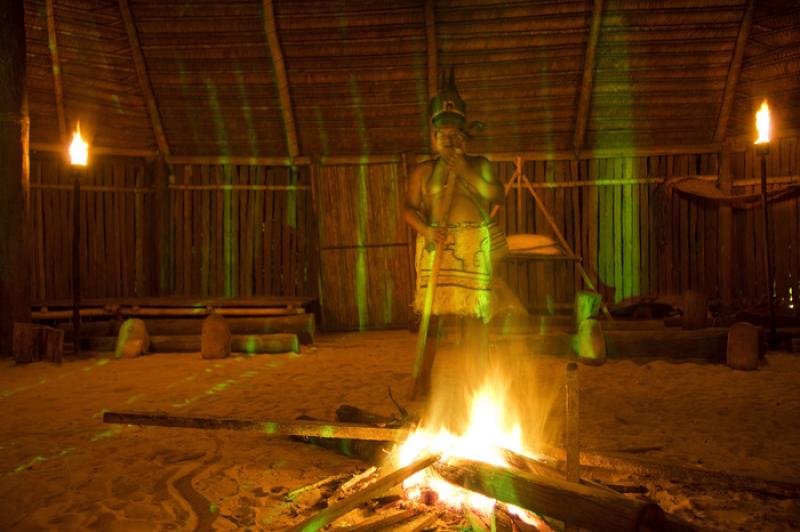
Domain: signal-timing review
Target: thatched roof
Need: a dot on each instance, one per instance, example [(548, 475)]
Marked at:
[(357, 72)]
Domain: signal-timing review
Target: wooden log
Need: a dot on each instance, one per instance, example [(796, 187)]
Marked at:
[(303, 325), (340, 508), (744, 342), (309, 428), (695, 309), (581, 505), (33, 343), (709, 343)]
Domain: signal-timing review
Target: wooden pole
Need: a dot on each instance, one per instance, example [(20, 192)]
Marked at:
[(726, 231), (144, 78), (161, 233), (734, 70), (763, 150), (340, 508), (584, 506), (15, 249), (584, 98), (76, 261), (430, 294), (287, 112), (317, 429), (433, 57)]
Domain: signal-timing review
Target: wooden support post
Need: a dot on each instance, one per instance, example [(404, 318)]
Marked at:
[(734, 70), (317, 429), (52, 44), (287, 111), (584, 98), (581, 505), (144, 78), (573, 423), (338, 509), (15, 249), (726, 231), (161, 233)]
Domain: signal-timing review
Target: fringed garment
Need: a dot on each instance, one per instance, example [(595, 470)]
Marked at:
[(463, 287)]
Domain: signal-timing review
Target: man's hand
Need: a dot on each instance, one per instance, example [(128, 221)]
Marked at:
[(456, 162), (435, 235)]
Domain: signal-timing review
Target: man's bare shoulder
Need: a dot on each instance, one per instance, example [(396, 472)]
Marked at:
[(424, 168)]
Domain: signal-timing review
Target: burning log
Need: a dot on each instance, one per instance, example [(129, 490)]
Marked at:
[(319, 429), (343, 506), (583, 506)]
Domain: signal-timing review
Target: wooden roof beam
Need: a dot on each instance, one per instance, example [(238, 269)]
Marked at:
[(433, 57), (733, 71), (287, 111), (52, 44), (144, 78), (584, 98)]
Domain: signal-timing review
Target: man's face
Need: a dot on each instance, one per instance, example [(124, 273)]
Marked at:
[(447, 139)]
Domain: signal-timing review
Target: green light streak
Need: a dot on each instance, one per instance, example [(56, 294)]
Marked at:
[(28, 465), (363, 211), (252, 134), (105, 434), (270, 427), (190, 116), (327, 431)]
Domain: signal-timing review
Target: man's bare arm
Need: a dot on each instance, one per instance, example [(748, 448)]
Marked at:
[(412, 204)]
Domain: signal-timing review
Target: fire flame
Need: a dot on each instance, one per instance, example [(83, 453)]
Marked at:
[(491, 430), (762, 123), (79, 149)]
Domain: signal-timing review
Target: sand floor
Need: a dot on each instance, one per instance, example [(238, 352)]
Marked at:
[(61, 468)]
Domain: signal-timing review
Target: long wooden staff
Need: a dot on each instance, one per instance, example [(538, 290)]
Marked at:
[(430, 293)]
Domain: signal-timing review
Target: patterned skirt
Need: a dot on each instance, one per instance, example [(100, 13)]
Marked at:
[(463, 286)]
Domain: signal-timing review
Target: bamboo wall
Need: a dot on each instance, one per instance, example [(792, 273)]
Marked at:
[(241, 230), (256, 230), (114, 205)]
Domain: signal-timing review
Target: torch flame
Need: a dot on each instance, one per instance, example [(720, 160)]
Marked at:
[(79, 149), (762, 123)]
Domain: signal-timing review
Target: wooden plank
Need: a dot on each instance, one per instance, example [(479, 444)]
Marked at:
[(220, 202), (39, 220), (268, 249), (177, 225), (187, 234), (618, 221), (195, 198), (577, 224), (606, 244), (205, 232), (241, 234), (592, 229), (141, 278), (111, 235), (227, 231), (683, 164), (122, 243), (646, 285), (258, 236), (630, 242)]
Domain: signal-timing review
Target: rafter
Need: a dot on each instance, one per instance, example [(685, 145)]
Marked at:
[(582, 114), (287, 111), (52, 44), (733, 71), (433, 59), (144, 78)]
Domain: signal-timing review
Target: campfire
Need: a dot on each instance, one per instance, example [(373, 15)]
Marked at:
[(487, 474)]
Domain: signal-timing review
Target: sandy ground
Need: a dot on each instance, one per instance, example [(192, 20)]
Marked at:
[(61, 468)]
